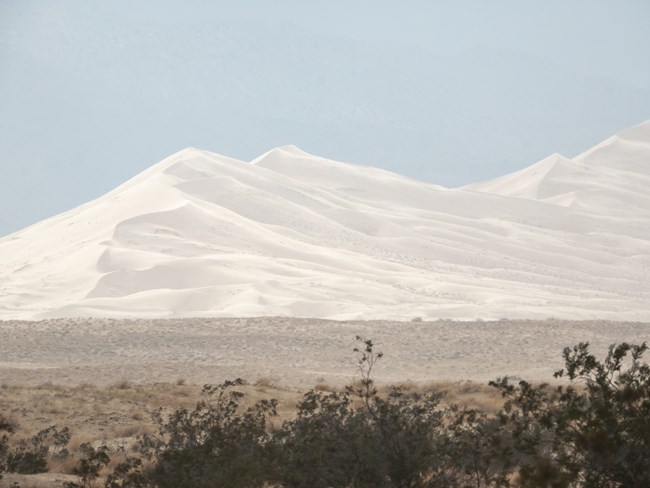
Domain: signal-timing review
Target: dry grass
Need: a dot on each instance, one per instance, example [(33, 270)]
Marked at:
[(467, 394), (115, 416), (118, 414), (96, 414), (100, 414)]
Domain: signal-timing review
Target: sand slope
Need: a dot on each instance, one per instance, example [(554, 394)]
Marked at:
[(292, 234)]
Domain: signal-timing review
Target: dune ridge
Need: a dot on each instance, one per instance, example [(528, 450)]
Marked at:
[(293, 234)]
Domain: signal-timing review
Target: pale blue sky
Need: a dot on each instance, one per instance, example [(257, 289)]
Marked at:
[(92, 92)]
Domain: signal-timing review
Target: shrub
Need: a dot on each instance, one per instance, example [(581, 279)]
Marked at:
[(359, 438), (30, 456), (91, 464), (6, 428), (216, 444), (595, 432)]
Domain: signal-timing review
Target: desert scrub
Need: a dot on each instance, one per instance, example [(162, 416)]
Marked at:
[(592, 430)]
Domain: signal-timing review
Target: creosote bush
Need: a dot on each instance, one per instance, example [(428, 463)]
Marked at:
[(595, 432), (592, 431), (30, 456)]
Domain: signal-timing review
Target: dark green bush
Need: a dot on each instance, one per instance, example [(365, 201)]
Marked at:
[(359, 438), (595, 432), (90, 465), (216, 444), (6, 428), (30, 457)]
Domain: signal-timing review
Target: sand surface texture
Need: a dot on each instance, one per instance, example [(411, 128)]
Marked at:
[(291, 234), (290, 352)]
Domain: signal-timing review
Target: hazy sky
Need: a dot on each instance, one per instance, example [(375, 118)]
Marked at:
[(92, 92), (603, 37)]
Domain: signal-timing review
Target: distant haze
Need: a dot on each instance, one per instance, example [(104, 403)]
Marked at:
[(92, 92)]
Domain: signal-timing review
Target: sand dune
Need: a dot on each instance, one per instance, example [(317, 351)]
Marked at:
[(292, 234)]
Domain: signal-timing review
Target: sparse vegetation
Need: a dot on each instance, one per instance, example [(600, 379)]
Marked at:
[(589, 430)]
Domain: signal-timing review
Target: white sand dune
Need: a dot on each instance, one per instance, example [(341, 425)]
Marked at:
[(292, 234)]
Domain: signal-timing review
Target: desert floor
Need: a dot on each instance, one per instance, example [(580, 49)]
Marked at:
[(290, 352)]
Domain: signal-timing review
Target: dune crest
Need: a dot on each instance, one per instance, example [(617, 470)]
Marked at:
[(293, 234)]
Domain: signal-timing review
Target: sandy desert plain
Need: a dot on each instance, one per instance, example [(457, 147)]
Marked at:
[(291, 352)]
